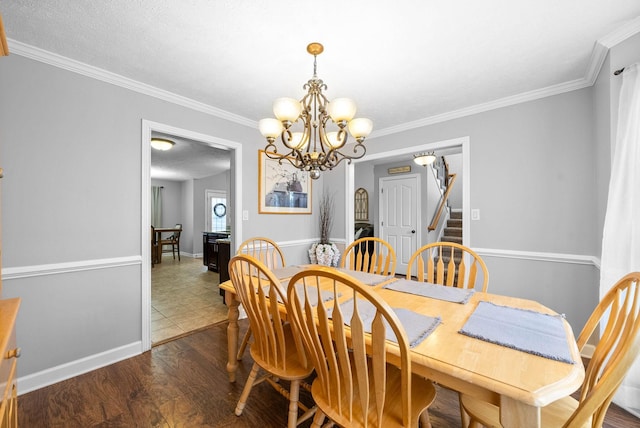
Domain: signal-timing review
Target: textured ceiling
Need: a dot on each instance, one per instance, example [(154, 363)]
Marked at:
[(401, 62)]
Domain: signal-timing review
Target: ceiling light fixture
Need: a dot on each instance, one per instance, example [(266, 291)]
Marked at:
[(162, 144), (424, 159), (320, 127)]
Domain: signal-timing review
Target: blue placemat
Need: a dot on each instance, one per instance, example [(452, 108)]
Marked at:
[(521, 329), (286, 272), (311, 291), (365, 277), (417, 326), (434, 291)]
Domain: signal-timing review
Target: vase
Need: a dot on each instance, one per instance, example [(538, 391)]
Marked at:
[(324, 254)]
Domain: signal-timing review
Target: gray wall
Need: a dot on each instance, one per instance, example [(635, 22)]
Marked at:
[(172, 203), (531, 173), (214, 182), (71, 212)]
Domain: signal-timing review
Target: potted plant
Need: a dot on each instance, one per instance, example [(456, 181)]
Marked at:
[(324, 252)]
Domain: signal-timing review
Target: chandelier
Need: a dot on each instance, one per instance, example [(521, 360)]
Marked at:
[(314, 129)]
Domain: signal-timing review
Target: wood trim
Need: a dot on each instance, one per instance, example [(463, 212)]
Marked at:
[(4, 47), (68, 267)]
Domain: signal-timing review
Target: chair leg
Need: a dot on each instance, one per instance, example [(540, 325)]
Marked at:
[(464, 417), (424, 421), (247, 389), (178, 250), (294, 395), (243, 345), (318, 419)]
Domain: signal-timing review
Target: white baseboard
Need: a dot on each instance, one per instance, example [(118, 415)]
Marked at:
[(75, 368)]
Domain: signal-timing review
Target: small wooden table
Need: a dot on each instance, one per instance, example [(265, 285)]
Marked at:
[(521, 383), (159, 231)]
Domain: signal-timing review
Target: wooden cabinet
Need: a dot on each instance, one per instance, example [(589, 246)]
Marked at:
[(224, 255), (217, 253), (210, 249), (8, 363)]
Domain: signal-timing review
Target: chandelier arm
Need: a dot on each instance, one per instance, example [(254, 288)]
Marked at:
[(271, 151), (291, 157)]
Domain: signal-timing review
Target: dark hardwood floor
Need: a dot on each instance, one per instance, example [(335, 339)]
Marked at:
[(184, 383)]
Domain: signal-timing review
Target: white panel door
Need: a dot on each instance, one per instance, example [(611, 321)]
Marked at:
[(399, 219)]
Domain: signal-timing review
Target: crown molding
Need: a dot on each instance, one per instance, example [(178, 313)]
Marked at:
[(621, 34), (598, 56), (32, 52), (491, 105)]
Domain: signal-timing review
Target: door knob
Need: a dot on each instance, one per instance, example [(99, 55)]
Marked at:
[(413, 231)]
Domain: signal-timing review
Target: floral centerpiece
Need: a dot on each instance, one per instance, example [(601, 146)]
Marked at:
[(323, 252)]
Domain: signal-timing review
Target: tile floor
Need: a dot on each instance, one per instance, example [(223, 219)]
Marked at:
[(184, 298)]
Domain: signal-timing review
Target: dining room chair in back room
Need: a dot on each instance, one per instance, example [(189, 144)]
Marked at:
[(449, 263), (268, 252), (618, 316), (173, 240), (154, 247), (355, 386), (273, 349), (370, 254)]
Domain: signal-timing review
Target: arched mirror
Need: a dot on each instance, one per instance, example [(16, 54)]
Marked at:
[(361, 205)]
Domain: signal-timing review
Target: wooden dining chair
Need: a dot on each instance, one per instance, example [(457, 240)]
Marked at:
[(370, 254), (268, 252), (449, 263), (619, 345), (265, 250), (354, 384), (173, 240), (154, 247), (273, 348)]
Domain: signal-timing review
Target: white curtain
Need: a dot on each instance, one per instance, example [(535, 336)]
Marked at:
[(156, 206), (621, 236)]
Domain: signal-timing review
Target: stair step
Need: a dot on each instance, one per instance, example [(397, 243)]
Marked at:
[(456, 239), (456, 215), (452, 222), (453, 231)]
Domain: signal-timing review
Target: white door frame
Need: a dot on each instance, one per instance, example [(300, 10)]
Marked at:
[(462, 142), (145, 221)]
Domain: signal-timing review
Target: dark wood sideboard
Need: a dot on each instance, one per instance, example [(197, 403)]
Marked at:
[(217, 253)]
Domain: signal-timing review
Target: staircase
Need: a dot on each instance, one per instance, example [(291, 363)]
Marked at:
[(453, 229)]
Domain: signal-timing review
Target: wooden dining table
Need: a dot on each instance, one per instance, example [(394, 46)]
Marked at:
[(159, 231), (521, 383)]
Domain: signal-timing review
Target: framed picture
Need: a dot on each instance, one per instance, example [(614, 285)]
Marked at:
[(282, 188)]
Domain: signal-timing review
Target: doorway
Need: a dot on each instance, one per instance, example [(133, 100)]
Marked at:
[(461, 144), (235, 149)]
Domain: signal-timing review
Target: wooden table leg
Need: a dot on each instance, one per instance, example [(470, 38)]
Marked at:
[(232, 334), (514, 413), (158, 248)]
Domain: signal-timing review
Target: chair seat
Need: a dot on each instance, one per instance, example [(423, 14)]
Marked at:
[(294, 369), (422, 395), (555, 414)]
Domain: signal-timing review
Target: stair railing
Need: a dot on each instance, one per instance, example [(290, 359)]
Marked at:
[(449, 179)]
